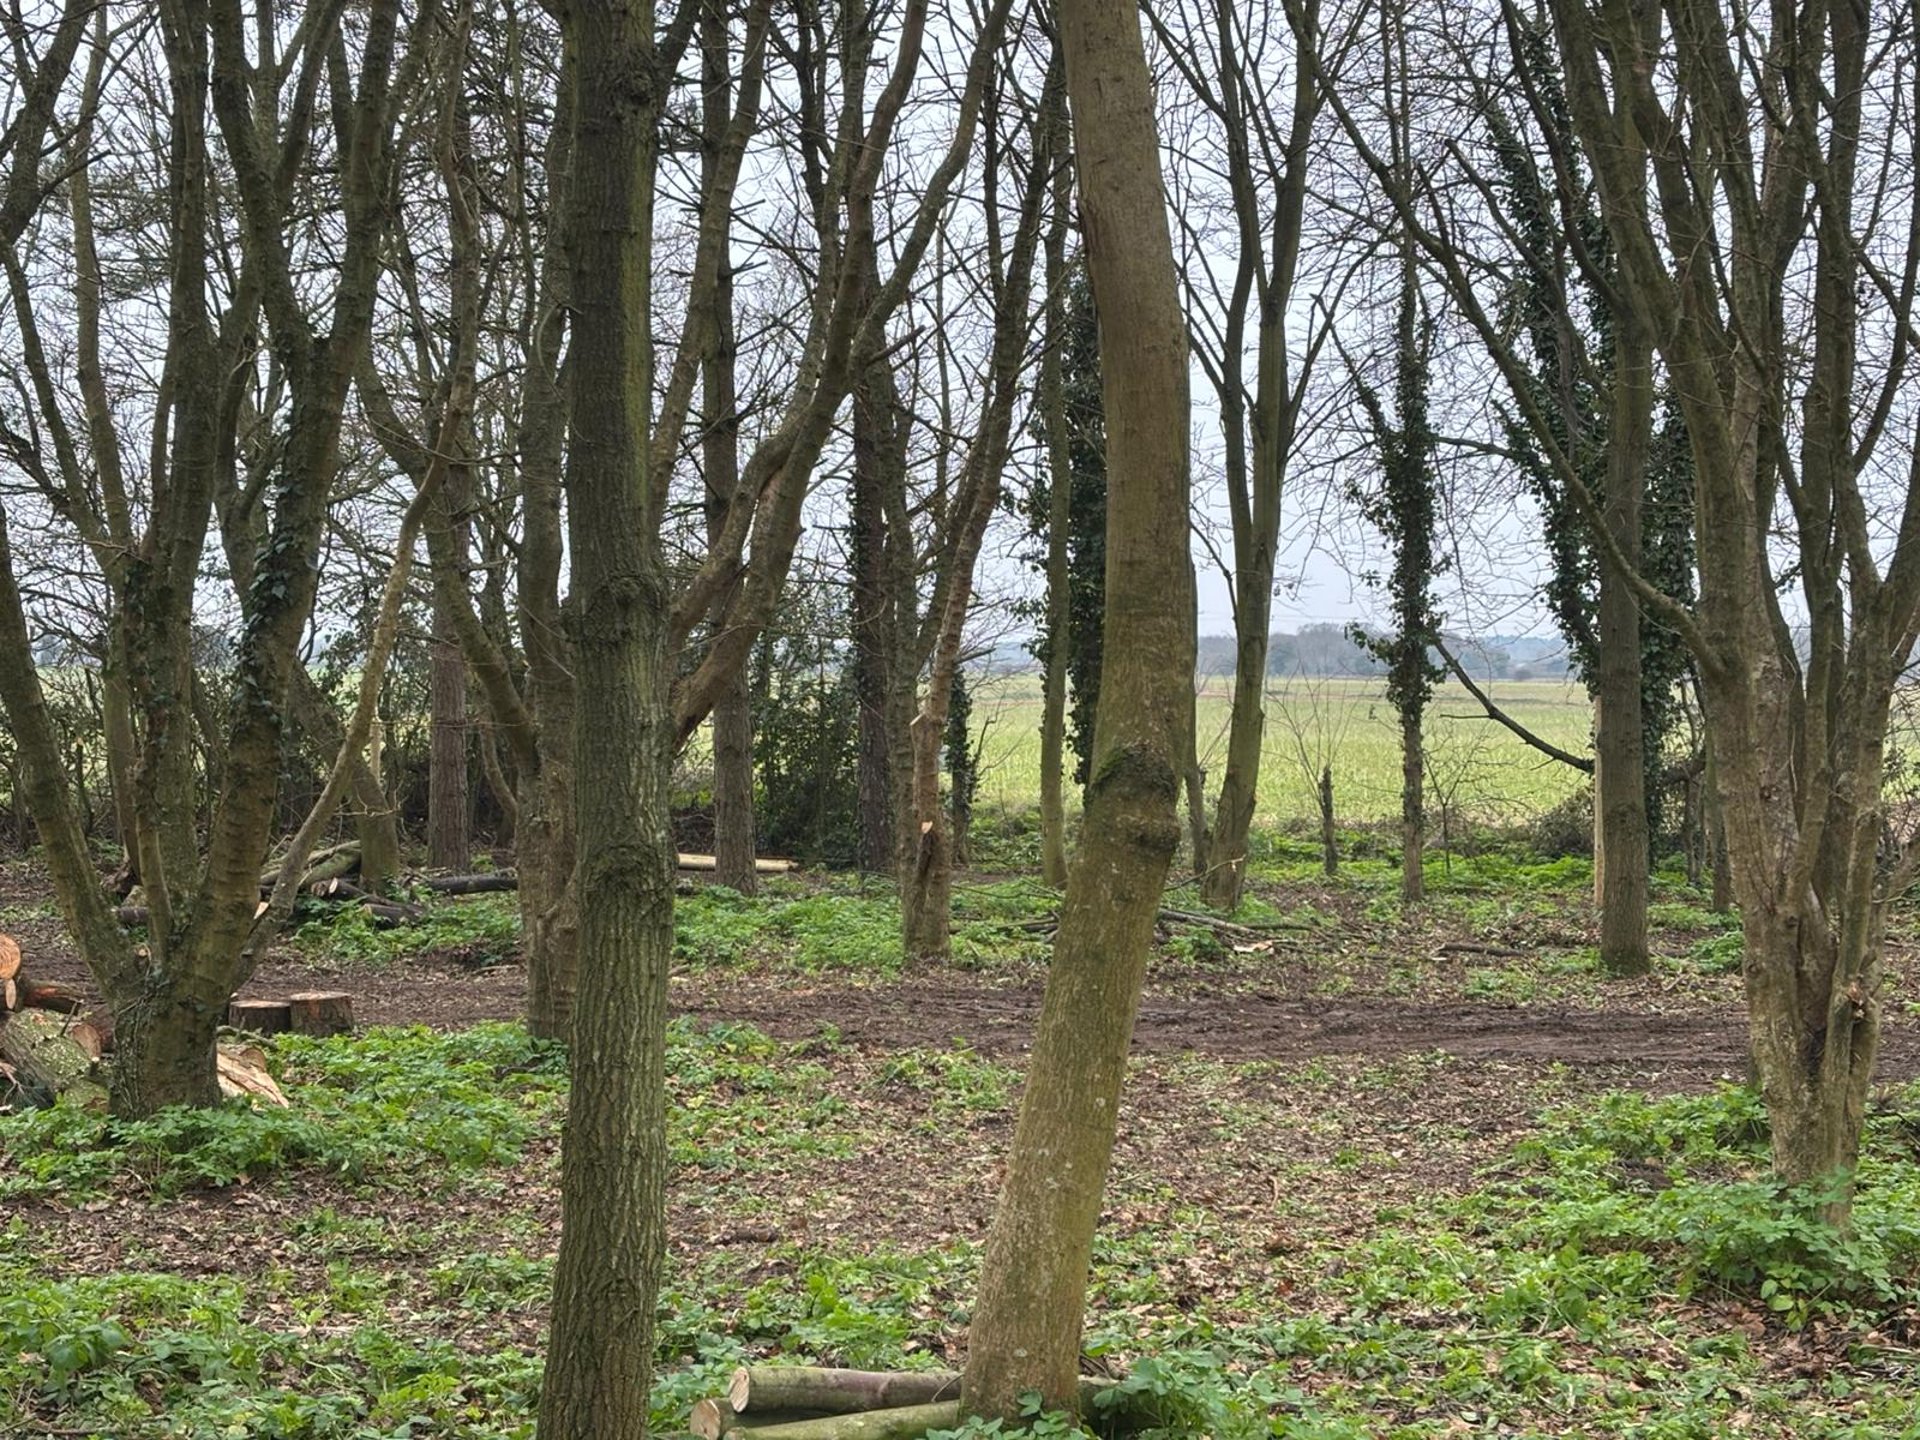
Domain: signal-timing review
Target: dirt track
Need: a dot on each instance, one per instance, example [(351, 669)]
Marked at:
[(1238, 1027)]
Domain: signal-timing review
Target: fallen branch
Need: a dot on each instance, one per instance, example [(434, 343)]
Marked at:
[(1231, 927), (1470, 947), (472, 884), (1584, 764)]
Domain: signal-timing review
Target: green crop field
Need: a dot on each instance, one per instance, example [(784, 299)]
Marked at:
[(1476, 768)]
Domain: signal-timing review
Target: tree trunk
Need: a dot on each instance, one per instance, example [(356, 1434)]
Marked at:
[(1413, 814), (926, 888), (163, 1048), (1619, 786), (1329, 837), (449, 808), (926, 894), (1619, 771), (733, 821), (613, 1167), (1715, 828), (875, 407), (549, 906), (1052, 400), (1027, 1326)]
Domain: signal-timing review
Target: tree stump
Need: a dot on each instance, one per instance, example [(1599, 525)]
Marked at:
[(262, 1017), (321, 1012)]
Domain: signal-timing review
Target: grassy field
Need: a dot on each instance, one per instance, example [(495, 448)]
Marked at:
[(1478, 768)]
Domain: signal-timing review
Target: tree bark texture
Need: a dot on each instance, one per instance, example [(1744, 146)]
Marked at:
[(732, 725), (1052, 400), (613, 1168), (1027, 1325), (449, 807), (1621, 864)]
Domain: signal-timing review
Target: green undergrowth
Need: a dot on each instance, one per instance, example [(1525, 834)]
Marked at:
[(1626, 1271), (378, 1105), (481, 930), (414, 1108), (802, 930)]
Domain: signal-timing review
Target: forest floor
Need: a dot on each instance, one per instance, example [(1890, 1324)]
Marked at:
[(1377, 1176)]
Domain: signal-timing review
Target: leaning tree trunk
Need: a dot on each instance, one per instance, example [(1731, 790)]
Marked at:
[(1027, 1325)]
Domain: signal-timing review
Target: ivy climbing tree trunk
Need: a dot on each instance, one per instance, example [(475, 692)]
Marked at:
[(1027, 1324), (613, 1167)]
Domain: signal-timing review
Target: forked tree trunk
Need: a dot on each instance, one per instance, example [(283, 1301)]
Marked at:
[(1027, 1325), (613, 1167), (164, 1048), (1812, 961)]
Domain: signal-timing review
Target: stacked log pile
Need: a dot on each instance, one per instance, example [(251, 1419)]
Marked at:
[(52, 1040), (799, 1402)]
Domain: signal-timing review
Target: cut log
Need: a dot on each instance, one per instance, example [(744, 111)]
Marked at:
[(385, 913), (243, 1071), (9, 957), (88, 1037), (758, 1393), (45, 1059), (763, 865), (907, 1422), (328, 864), (321, 1012), (757, 1388), (45, 995), (489, 883), (9, 995), (262, 1017), (713, 1419)]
